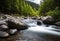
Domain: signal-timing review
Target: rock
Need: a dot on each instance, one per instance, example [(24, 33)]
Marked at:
[(34, 18), (57, 23), (14, 23), (25, 17), (38, 22), (3, 34), (6, 16), (3, 23), (3, 27), (39, 18), (48, 20), (12, 31)]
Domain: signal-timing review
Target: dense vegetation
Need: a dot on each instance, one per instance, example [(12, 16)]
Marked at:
[(50, 7), (36, 6), (17, 7), (25, 8)]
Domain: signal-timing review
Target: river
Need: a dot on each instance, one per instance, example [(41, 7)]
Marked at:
[(35, 33)]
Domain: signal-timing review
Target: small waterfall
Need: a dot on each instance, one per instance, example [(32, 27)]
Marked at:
[(41, 28)]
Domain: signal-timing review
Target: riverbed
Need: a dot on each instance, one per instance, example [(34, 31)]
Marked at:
[(35, 33)]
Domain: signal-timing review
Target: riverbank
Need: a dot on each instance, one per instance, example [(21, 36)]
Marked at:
[(27, 29), (10, 25)]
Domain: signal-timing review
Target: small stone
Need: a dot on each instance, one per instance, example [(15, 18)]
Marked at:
[(3, 27), (57, 23), (34, 18), (3, 34), (38, 22), (25, 17), (12, 31), (3, 23)]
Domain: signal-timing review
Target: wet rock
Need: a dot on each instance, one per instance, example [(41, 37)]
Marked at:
[(57, 23), (39, 18), (6, 16), (3, 23), (38, 22), (14, 23), (48, 20), (3, 34), (25, 17), (3, 27), (12, 31), (34, 18)]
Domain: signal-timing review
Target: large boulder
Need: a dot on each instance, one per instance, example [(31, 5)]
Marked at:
[(48, 20), (3, 34), (57, 23), (14, 23)]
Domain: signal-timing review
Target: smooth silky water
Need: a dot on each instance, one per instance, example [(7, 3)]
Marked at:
[(36, 32)]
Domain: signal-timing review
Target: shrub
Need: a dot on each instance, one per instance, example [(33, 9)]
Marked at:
[(55, 14)]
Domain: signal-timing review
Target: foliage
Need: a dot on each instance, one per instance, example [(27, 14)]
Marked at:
[(48, 5), (36, 6), (45, 6), (55, 14), (17, 6)]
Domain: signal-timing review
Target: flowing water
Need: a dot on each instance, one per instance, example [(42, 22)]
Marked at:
[(36, 32)]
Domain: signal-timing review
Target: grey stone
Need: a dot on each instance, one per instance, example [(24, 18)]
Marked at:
[(3, 23), (48, 19), (57, 23), (3, 27), (16, 24), (6, 16), (12, 31), (3, 34), (34, 18)]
